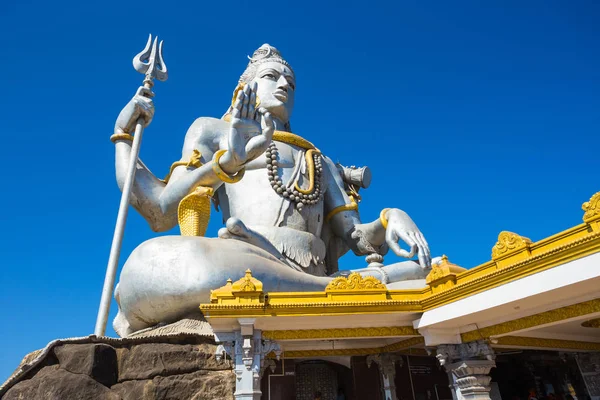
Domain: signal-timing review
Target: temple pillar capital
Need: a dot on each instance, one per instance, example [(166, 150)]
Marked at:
[(248, 350), (469, 365)]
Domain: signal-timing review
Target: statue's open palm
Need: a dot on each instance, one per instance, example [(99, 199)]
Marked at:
[(251, 130)]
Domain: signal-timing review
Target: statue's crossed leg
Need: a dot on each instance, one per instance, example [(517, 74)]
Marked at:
[(166, 278)]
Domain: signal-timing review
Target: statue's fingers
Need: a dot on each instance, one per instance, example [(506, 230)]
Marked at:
[(423, 259), (266, 124), (391, 238), (145, 92), (425, 246), (237, 105), (246, 100), (410, 241), (398, 250), (252, 102)]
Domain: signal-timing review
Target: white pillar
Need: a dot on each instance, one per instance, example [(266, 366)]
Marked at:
[(247, 349)]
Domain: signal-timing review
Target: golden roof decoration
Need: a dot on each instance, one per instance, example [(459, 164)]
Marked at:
[(509, 242), (591, 208), (354, 281), (247, 283), (444, 270), (248, 287)]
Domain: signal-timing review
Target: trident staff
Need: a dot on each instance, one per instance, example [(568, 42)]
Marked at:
[(149, 62)]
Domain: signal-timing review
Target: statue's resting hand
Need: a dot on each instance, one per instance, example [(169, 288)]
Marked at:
[(401, 226), (250, 133), (140, 106)]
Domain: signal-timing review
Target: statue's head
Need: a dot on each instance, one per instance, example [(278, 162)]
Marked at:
[(276, 83)]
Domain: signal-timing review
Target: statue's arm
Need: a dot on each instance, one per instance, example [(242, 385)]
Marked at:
[(156, 201), (241, 141), (205, 136), (344, 221), (373, 236)]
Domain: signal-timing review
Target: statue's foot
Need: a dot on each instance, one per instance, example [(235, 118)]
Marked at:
[(403, 271), (236, 229)]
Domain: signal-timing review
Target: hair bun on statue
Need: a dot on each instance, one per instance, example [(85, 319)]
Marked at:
[(265, 53)]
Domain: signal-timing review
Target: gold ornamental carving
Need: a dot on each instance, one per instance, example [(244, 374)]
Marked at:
[(247, 284), (443, 275), (591, 208), (340, 333), (592, 323), (557, 344), (246, 290), (509, 242), (547, 317), (354, 281), (363, 351)]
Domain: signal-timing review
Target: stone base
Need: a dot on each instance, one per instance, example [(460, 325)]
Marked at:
[(151, 368)]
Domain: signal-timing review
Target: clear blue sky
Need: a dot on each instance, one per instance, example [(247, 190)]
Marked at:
[(475, 117)]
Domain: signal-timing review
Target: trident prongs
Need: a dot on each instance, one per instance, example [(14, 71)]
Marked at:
[(151, 63)]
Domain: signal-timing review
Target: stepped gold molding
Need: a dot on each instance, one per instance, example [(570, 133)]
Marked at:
[(547, 317), (340, 333), (354, 281), (524, 342)]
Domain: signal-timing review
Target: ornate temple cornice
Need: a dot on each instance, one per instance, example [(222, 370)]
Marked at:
[(547, 317), (398, 346), (386, 331), (543, 343)]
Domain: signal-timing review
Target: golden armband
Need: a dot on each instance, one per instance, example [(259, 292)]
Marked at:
[(353, 206), (383, 218), (121, 136)]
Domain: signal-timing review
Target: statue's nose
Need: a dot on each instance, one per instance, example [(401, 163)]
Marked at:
[(282, 83)]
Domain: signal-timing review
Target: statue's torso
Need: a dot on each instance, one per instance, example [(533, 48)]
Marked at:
[(254, 201)]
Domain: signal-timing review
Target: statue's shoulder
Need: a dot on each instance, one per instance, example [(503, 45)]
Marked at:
[(206, 131)]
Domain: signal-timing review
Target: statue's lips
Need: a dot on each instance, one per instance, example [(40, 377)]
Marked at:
[(280, 95)]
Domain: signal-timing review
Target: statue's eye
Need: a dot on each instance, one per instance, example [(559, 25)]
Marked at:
[(270, 76)]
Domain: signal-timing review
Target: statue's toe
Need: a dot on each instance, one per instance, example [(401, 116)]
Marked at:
[(237, 227)]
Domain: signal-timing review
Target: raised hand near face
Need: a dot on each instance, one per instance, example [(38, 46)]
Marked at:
[(401, 226), (250, 133)]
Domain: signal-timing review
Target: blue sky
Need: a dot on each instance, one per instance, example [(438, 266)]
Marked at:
[(475, 117)]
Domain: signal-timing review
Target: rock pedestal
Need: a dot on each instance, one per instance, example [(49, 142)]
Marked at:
[(122, 369)]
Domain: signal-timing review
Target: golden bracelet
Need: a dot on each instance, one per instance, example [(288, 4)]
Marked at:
[(222, 175), (121, 136), (383, 218)]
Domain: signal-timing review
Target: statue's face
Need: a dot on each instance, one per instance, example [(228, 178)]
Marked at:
[(275, 89)]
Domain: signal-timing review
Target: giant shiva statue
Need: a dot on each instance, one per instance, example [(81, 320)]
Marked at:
[(289, 211)]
